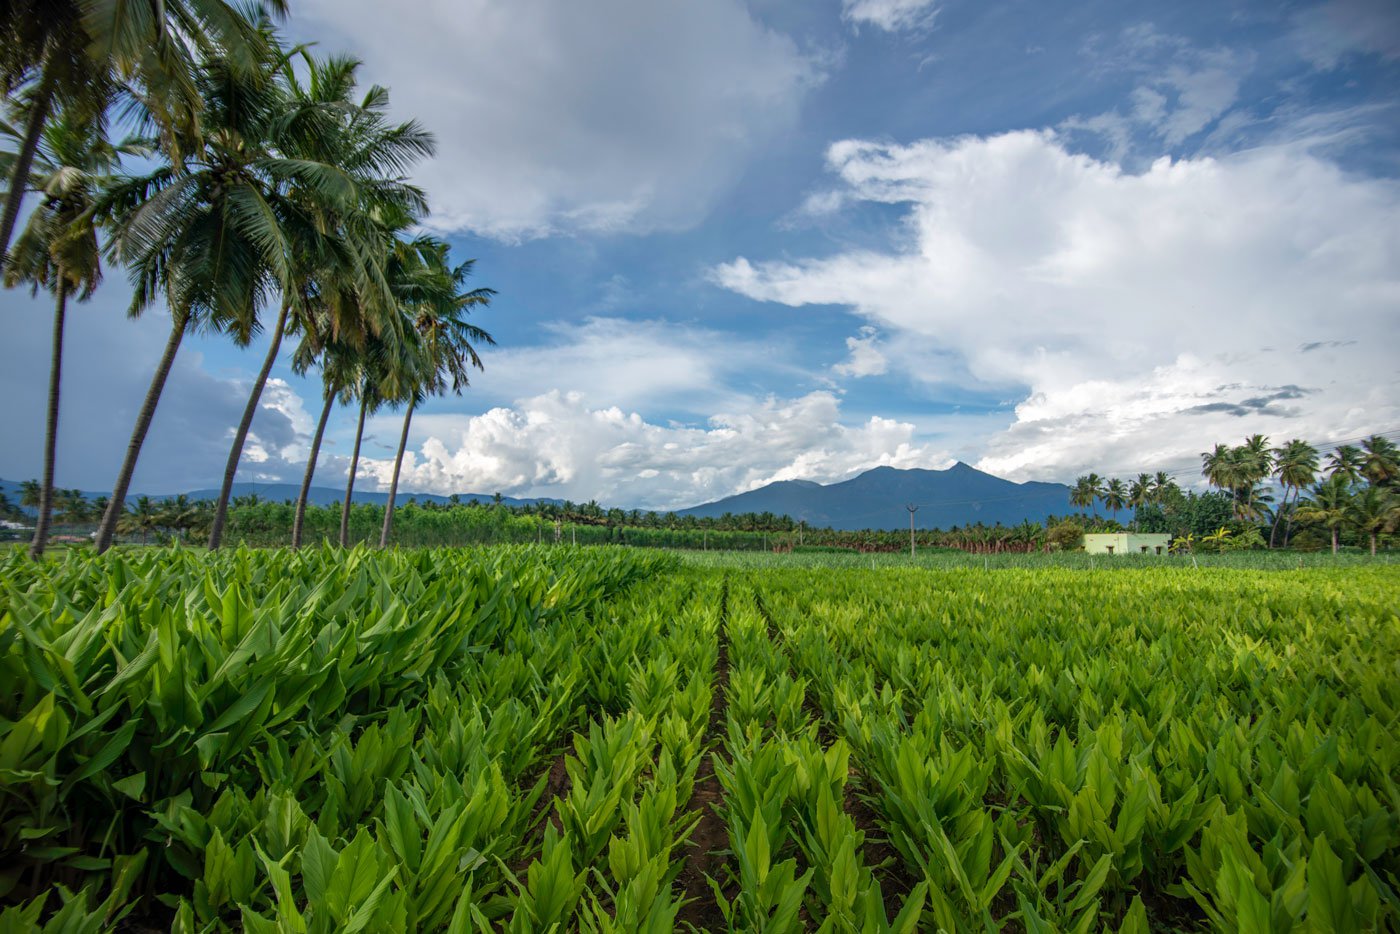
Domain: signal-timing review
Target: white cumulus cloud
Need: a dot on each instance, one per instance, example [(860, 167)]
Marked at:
[(867, 359), (1140, 314), (556, 445)]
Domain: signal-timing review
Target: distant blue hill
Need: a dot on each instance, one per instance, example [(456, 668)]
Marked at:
[(318, 495), (961, 495)]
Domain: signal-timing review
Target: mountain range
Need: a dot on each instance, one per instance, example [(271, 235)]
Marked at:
[(876, 499)]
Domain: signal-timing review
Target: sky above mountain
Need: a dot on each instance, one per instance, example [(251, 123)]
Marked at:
[(795, 239)]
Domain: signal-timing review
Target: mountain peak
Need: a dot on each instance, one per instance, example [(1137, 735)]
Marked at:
[(958, 495)]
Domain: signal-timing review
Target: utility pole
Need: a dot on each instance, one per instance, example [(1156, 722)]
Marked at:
[(912, 509)]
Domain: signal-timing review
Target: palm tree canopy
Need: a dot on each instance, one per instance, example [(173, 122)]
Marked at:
[(1372, 510), (153, 47), (1297, 463), (59, 242), (1218, 467), (1345, 461), (1115, 494), (1329, 502), (1380, 461)]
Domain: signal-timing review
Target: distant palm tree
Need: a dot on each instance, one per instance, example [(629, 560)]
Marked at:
[(1380, 463), (1329, 505), (179, 514), (30, 492), (73, 505), (1223, 469), (143, 517), (1115, 496), (58, 251), (1140, 491), (1255, 461), (1373, 511), (338, 362), (1346, 461), (446, 349), (1296, 462), (1082, 493), (1257, 456)]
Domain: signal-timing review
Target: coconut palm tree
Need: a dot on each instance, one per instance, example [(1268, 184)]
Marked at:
[(72, 506), (1296, 463), (446, 349), (1115, 496), (213, 236), (1380, 462), (1082, 493), (1329, 505), (58, 251), (1218, 467), (1255, 460), (1140, 494), (72, 53), (143, 517), (369, 365), (1372, 511), (1346, 461), (1140, 491), (334, 265), (1257, 457), (338, 365), (30, 492), (179, 514)]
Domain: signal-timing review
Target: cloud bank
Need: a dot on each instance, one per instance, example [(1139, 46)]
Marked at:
[(555, 444), (1138, 314)]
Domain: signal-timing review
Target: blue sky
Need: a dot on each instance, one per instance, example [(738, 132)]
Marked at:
[(737, 242)]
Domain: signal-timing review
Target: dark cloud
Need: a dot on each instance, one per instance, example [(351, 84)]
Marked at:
[(1318, 345), (1257, 405)]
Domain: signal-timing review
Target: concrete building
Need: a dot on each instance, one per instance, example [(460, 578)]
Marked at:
[(1127, 543)]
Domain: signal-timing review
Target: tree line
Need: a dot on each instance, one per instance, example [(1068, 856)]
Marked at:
[(270, 195), (1270, 491), (1350, 494)]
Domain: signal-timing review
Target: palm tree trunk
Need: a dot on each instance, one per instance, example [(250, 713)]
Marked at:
[(311, 467), (216, 530), (19, 176), (1334, 540), (394, 484), (41, 527), (1288, 523), (108, 529), (1373, 544), (354, 465), (1282, 507)]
